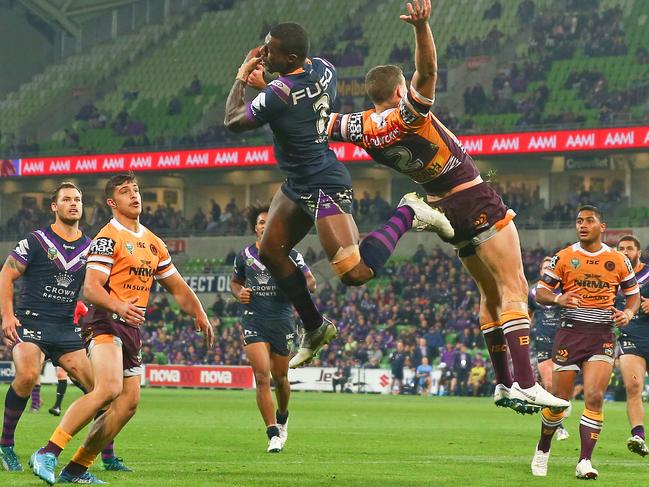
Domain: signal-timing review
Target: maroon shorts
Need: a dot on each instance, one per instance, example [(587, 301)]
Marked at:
[(476, 214), (574, 346), (105, 327)]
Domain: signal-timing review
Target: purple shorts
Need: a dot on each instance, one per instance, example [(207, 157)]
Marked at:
[(574, 346)]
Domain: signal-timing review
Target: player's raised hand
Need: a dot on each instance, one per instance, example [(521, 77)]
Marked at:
[(250, 63), (244, 295), (418, 12), (203, 325), (644, 305), (621, 318), (130, 313), (9, 332), (569, 299), (256, 78)]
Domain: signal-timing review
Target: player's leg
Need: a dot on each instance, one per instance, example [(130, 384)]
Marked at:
[(61, 387), (258, 354), (36, 396), (502, 256), (28, 360), (563, 381), (287, 225), (104, 429), (597, 375), (106, 360), (634, 368), (545, 371), (279, 372)]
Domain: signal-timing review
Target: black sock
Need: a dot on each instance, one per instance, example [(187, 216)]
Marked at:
[(297, 292), (281, 418), (272, 431), (61, 387)]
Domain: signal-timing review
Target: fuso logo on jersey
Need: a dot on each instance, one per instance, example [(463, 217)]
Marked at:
[(103, 246)]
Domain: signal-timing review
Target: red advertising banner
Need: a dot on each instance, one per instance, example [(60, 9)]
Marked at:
[(478, 145), (176, 245), (216, 376), (611, 237)]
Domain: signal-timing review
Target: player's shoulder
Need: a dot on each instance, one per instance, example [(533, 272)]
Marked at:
[(322, 63), (279, 88)]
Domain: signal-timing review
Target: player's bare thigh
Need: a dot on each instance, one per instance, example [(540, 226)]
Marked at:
[(108, 369), (77, 365), (563, 383), (502, 256), (279, 367), (633, 369), (490, 297), (286, 226), (28, 361), (597, 375), (339, 239), (545, 370)]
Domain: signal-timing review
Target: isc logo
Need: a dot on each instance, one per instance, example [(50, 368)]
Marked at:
[(216, 377), (165, 376)]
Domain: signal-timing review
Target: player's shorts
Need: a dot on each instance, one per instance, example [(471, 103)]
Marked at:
[(574, 346), (476, 214), (629, 346), (54, 339), (278, 333), (543, 348), (325, 194), (105, 327), (397, 374)]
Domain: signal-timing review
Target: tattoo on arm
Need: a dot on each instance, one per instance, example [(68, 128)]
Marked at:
[(235, 107), (15, 265)]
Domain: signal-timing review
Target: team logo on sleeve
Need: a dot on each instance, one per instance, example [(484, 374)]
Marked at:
[(52, 253), (355, 127), (553, 262), (609, 265), (103, 246), (22, 248)]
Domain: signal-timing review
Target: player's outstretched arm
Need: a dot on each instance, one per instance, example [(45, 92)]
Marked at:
[(425, 76), (236, 118), (96, 294), (190, 304), (11, 271)]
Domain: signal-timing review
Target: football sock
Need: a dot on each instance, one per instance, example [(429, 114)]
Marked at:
[(80, 462), (516, 327), (272, 431), (57, 443), (549, 423), (36, 396), (281, 418), (638, 431), (109, 451), (297, 292), (14, 407), (590, 425), (377, 247), (61, 387), (497, 346)]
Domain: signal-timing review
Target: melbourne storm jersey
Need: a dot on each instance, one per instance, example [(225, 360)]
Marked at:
[(54, 273), (266, 301), (297, 107), (410, 140), (546, 318), (638, 327)]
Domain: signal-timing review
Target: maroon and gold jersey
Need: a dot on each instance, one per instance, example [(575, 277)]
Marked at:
[(130, 260), (595, 276), (410, 140)]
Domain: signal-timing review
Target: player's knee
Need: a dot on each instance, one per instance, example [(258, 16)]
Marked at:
[(356, 277), (25, 382), (268, 258), (595, 400), (262, 379), (107, 393), (634, 387), (345, 265)]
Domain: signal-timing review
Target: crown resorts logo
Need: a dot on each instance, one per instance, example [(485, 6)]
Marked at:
[(64, 279), (263, 278)]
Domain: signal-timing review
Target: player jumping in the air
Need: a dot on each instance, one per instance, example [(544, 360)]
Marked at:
[(318, 187), (401, 132)]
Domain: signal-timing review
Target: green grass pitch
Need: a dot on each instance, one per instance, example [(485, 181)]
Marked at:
[(216, 438)]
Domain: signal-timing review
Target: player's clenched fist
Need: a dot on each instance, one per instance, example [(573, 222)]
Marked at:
[(244, 295)]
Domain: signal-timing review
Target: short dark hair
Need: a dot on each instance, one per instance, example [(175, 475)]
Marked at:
[(381, 81), (293, 38), (118, 180), (63, 185), (253, 212), (592, 208), (630, 238)]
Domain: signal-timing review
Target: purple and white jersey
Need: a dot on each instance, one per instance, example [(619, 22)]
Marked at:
[(546, 318), (55, 269)]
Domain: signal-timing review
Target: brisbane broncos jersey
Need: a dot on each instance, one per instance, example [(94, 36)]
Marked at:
[(297, 107), (410, 140), (131, 260), (54, 272), (596, 277)]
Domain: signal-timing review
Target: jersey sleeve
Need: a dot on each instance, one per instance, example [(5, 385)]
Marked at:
[(165, 267), (299, 261), (553, 275), (102, 253), (239, 274), (414, 108), (346, 128), (270, 103), (628, 283), (24, 250)]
